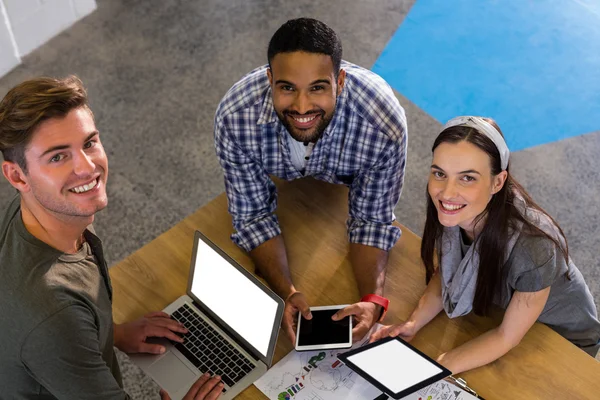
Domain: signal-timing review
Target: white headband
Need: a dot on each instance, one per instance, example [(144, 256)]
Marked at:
[(488, 130)]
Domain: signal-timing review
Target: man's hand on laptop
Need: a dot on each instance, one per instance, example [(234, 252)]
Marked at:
[(130, 337), (295, 302), (205, 388), (365, 316)]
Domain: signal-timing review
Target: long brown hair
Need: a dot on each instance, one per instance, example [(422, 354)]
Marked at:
[(499, 215)]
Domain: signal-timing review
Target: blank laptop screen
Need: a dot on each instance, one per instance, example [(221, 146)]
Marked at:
[(237, 300)]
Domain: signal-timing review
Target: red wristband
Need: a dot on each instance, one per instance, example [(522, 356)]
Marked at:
[(379, 300)]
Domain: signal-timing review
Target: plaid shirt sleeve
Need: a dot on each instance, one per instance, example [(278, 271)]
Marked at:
[(251, 194), (373, 197)]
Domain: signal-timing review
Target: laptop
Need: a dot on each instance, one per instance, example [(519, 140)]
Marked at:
[(233, 322)]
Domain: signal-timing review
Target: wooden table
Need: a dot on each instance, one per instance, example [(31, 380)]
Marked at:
[(312, 215)]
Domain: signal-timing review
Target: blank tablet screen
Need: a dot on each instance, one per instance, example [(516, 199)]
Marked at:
[(395, 365)]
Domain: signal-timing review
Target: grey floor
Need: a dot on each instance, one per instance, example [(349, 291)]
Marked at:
[(156, 70)]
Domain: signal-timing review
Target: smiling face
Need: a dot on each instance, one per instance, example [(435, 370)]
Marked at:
[(461, 184), (305, 90), (66, 167)]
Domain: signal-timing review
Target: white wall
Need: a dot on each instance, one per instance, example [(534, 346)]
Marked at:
[(27, 24)]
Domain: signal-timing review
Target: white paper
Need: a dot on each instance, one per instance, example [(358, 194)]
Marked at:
[(316, 375), (441, 390)]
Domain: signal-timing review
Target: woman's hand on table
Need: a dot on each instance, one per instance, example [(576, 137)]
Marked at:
[(405, 330)]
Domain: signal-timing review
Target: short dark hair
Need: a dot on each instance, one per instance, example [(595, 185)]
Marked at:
[(29, 104), (309, 35)]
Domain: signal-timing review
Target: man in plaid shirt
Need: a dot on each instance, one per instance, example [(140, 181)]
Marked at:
[(308, 113)]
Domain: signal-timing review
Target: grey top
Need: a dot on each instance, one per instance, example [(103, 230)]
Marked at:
[(56, 339), (464, 247), (535, 264)]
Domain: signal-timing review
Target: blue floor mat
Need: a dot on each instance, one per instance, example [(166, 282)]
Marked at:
[(534, 66)]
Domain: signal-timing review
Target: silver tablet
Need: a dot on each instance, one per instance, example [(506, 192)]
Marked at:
[(321, 332)]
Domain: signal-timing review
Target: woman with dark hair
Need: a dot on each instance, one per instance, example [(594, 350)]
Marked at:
[(486, 242)]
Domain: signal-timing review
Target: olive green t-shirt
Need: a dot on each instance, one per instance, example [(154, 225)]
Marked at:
[(56, 339)]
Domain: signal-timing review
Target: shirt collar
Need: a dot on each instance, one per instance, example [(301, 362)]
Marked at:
[(267, 111)]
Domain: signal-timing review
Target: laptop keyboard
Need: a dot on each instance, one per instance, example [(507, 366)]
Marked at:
[(208, 350)]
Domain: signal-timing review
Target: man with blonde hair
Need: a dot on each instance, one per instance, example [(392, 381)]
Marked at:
[(57, 331)]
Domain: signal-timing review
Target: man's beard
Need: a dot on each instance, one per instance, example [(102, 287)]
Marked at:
[(302, 135), (62, 206)]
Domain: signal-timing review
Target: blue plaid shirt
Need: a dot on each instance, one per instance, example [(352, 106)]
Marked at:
[(364, 148)]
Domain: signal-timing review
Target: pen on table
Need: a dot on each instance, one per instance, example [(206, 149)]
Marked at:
[(461, 383)]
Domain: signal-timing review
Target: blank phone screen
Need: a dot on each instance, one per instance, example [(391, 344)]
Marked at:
[(321, 329)]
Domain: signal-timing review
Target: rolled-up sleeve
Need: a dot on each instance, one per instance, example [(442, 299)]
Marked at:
[(251, 194), (373, 197)]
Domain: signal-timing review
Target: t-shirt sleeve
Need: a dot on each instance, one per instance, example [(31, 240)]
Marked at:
[(63, 354), (535, 264)]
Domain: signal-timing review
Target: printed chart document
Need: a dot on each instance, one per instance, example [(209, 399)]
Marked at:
[(319, 375), (442, 390), (316, 375)]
